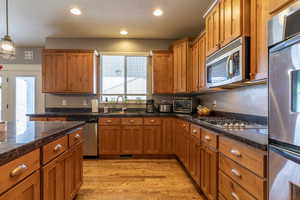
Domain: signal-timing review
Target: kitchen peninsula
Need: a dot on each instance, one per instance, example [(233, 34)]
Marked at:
[(42, 154)]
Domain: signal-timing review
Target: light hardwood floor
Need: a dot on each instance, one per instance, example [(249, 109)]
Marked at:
[(136, 179)]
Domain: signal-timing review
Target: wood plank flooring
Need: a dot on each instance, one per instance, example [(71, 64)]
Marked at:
[(136, 179)]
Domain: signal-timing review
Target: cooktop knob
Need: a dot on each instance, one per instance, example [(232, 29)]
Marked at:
[(242, 125), (236, 125), (230, 125), (225, 125)]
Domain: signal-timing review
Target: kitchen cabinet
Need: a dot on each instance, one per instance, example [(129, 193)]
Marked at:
[(162, 72), (73, 173), (195, 159), (212, 26), (69, 71), (277, 5), (28, 189), (54, 179), (228, 20), (132, 139), (259, 39), (197, 77), (152, 139), (168, 136), (110, 140), (209, 172), (182, 60)]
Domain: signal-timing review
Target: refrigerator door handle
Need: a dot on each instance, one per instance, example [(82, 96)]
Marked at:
[(286, 153)]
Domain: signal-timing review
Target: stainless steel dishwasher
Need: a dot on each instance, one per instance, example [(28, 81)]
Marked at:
[(90, 134)]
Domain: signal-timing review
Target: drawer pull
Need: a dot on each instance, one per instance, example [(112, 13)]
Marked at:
[(235, 152), (235, 172), (194, 131), (109, 121), (235, 196), (18, 170), (77, 136), (131, 121), (152, 120), (57, 148), (207, 138)]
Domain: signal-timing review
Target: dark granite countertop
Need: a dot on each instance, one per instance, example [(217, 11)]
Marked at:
[(257, 138), (21, 138)]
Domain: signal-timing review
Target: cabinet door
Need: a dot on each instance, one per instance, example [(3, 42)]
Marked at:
[(183, 66), (132, 140), (80, 72), (28, 189), (168, 136), (152, 139), (259, 39), (194, 161), (209, 172), (194, 80), (202, 62), (54, 72), (73, 171), (175, 68), (231, 13), (276, 5), (54, 179), (110, 140), (162, 73), (213, 30)]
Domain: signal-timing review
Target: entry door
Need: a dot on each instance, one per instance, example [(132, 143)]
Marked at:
[(20, 95)]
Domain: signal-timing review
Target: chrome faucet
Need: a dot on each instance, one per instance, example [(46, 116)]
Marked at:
[(124, 107)]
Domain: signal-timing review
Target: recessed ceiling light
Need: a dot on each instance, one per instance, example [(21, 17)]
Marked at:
[(75, 11), (158, 12), (123, 32)]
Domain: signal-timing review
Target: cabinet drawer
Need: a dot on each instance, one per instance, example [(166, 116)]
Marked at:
[(76, 137), (57, 119), (152, 121), (195, 131), (38, 118), (54, 149), (247, 156), (109, 121), (231, 190), (18, 169), (132, 121), (252, 183), (209, 138)]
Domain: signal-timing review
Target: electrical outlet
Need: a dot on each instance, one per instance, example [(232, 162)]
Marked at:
[(64, 102), (214, 104)]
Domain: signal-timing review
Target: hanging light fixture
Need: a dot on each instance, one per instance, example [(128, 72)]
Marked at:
[(7, 47)]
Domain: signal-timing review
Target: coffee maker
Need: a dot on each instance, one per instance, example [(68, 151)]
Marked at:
[(150, 106)]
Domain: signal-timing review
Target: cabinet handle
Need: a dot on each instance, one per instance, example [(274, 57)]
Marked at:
[(108, 121), (235, 152), (152, 120), (194, 131), (57, 148), (236, 172), (77, 136), (207, 138), (18, 170), (235, 196), (131, 121)]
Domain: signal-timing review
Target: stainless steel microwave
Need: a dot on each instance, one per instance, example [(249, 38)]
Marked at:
[(230, 64)]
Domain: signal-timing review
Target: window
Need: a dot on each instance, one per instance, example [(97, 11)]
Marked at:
[(124, 76)]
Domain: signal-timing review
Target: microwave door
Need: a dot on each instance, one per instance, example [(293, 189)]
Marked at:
[(284, 92), (217, 73), (284, 176)]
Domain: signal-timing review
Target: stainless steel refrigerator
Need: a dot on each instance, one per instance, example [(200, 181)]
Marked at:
[(284, 104)]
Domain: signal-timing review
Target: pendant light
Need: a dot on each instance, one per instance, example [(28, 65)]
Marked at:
[(7, 47)]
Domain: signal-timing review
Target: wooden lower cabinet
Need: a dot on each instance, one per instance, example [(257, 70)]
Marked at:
[(132, 140), (28, 189), (54, 179), (110, 140), (209, 172), (167, 136), (152, 140), (195, 159), (63, 176)]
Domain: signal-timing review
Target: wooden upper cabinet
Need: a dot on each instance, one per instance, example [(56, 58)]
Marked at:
[(276, 5), (80, 72), (69, 71), (212, 24), (259, 39), (182, 60), (54, 72), (202, 61), (162, 72)]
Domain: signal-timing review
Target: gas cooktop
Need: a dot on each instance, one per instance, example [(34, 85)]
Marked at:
[(231, 123)]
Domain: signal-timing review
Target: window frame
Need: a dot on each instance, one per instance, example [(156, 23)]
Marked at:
[(126, 55)]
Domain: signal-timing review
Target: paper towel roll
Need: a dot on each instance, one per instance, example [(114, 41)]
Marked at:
[(95, 105)]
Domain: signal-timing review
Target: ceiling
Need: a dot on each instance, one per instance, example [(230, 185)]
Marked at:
[(31, 21)]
